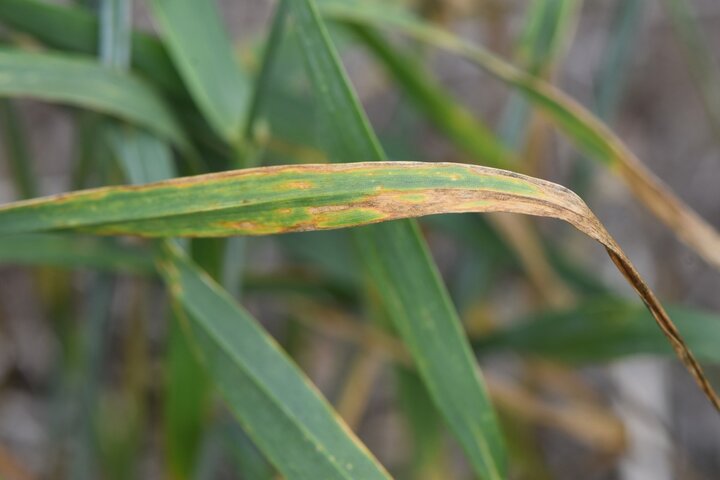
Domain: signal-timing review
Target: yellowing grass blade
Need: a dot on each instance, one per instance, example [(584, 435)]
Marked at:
[(269, 200), (586, 130)]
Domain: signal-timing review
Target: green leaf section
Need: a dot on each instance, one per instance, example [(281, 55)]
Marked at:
[(143, 157), (548, 27), (276, 404), (603, 329), (81, 82), (203, 54), (419, 304), (589, 133), (16, 149), (446, 113), (703, 65)]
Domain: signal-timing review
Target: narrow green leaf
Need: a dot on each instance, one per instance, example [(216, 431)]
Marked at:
[(612, 73), (143, 157), (115, 30), (262, 82), (700, 56), (17, 152), (186, 402), (71, 251), (617, 56), (80, 82), (419, 304), (203, 53), (604, 329), (424, 423), (549, 26), (278, 407), (446, 113)]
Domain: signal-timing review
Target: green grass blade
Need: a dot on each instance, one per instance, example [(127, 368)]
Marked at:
[(80, 82), (442, 109), (74, 29), (611, 77), (700, 56), (587, 131), (420, 310), (115, 31), (617, 56), (286, 198), (203, 54), (549, 26), (17, 151), (278, 407), (604, 329), (263, 80), (186, 403), (143, 157), (71, 251)]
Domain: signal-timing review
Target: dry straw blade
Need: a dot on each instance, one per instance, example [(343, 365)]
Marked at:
[(271, 200)]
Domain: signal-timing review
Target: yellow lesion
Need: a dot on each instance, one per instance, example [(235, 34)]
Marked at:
[(297, 185)]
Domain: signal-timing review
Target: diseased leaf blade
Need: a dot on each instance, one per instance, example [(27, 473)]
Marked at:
[(71, 251)]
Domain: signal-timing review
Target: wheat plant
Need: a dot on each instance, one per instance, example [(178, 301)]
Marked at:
[(270, 142)]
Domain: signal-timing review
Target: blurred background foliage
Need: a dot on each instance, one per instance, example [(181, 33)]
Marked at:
[(99, 380)]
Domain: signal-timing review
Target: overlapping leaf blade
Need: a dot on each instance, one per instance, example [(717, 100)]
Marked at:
[(588, 133), (400, 266), (278, 407)]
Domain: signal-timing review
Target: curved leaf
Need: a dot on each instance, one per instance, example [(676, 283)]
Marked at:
[(78, 81), (267, 200)]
